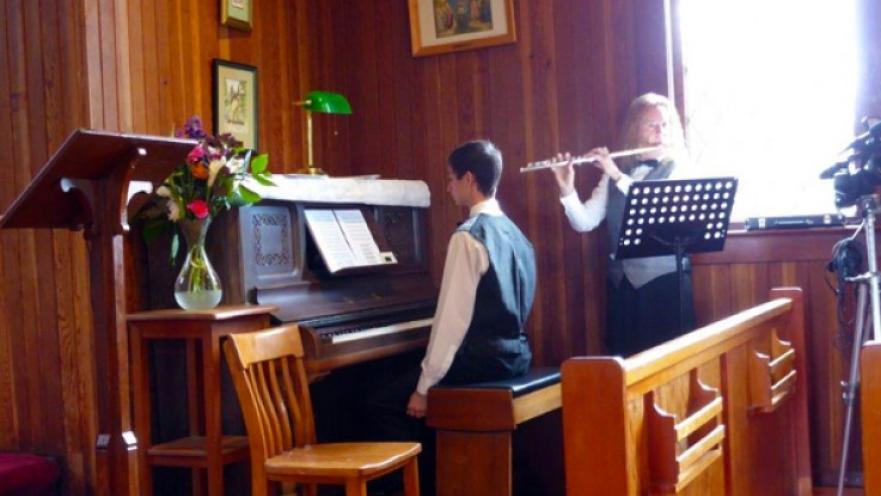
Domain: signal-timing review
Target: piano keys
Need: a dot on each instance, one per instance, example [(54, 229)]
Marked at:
[(359, 333)]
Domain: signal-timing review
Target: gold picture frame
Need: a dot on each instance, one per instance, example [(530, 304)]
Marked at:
[(236, 14), (234, 97), (443, 26)]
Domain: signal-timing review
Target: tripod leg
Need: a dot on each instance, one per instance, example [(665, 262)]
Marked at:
[(850, 387)]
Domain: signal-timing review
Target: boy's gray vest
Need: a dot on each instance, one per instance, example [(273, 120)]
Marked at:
[(496, 338), (639, 271)]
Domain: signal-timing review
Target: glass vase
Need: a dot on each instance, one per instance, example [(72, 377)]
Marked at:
[(197, 286)]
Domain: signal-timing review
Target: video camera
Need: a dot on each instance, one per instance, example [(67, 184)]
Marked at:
[(860, 173)]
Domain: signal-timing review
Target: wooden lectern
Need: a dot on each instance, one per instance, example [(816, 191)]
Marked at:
[(87, 184)]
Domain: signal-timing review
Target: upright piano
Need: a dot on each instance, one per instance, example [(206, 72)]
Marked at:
[(266, 254)]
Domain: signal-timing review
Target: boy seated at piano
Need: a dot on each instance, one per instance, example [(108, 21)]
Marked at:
[(486, 294)]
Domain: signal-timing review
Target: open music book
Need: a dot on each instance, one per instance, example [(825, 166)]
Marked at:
[(344, 239)]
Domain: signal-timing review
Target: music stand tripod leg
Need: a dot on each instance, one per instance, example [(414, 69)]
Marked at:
[(680, 273), (679, 245)]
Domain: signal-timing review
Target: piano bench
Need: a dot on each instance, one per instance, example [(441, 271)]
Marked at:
[(475, 425)]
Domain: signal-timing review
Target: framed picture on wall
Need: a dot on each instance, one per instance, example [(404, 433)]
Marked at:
[(234, 98), (236, 14), (442, 26)]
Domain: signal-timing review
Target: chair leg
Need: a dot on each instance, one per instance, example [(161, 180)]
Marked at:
[(411, 478), (356, 487), (310, 489)]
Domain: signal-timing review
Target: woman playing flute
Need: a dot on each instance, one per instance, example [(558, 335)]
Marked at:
[(643, 297)]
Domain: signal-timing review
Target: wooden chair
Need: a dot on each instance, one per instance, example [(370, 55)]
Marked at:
[(270, 379)]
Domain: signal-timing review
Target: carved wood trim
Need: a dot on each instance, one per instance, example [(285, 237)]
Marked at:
[(771, 377), (672, 468)]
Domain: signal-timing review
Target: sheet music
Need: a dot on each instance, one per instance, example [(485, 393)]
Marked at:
[(344, 239), (358, 234), (330, 239)]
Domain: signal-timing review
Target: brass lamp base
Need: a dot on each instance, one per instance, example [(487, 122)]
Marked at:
[(310, 171)]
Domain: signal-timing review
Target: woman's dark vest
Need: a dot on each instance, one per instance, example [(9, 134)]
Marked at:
[(639, 271)]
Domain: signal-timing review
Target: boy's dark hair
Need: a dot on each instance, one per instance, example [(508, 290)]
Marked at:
[(483, 160)]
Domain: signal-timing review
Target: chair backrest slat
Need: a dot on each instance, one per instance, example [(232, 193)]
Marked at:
[(281, 409), (296, 412), (270, 379), (270, 419), (302, 392)]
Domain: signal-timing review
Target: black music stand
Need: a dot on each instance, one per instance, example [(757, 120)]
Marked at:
[(675, 217)]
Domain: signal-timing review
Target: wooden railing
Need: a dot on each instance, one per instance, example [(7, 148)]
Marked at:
[(870, 371), (721, 410)]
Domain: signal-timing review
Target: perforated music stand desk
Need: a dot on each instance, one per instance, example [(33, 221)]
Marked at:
[(675, 217)]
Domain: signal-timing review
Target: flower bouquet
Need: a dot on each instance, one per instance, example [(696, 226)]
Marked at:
[(209, 182)]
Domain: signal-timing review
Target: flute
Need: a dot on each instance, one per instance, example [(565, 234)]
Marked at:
[(550, 163)]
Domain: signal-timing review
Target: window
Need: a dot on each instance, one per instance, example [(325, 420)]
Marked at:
[(769, 94)]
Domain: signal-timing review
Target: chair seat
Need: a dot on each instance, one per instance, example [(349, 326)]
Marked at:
[(343, 460)]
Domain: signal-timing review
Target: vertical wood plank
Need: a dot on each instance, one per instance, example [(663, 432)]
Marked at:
[(871, 415), (136, 69), (9, 426)]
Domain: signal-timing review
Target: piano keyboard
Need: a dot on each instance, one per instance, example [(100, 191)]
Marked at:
[(369, 332)]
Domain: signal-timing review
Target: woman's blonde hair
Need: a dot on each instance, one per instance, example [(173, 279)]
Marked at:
[(629, 137)]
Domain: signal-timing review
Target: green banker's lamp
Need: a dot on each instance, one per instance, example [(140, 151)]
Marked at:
[(323, 102)]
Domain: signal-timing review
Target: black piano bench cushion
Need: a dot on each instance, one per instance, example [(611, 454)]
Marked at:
[(535, 379)]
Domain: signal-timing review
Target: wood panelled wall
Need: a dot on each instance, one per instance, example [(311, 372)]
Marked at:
[(47, 390), (139, 66), (145, 65)]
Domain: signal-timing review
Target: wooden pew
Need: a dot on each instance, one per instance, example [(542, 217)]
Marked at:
[(475, 427), (870, 399), (721, 410)]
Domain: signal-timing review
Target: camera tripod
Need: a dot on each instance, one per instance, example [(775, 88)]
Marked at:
[(869, 207)]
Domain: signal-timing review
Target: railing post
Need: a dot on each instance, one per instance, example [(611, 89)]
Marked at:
[(595, 406)]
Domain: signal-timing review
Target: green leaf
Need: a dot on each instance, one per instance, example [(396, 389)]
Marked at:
[(259, 164), (248, 195), (175, 247), (262, 179), (235, 199)]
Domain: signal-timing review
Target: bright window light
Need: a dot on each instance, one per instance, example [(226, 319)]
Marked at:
[(770, 92)]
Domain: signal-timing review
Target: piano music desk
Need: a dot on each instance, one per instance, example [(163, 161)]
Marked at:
[(206, 448), (475, 425)]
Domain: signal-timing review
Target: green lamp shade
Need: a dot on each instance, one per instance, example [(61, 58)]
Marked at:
[(327, 103)]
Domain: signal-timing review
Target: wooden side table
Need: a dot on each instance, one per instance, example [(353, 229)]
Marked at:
[(206, 447)]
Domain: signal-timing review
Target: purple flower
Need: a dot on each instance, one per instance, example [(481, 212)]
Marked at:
[(192, 129)]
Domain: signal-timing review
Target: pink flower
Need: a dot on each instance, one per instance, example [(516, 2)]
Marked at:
[(195, 155), (199, 208)]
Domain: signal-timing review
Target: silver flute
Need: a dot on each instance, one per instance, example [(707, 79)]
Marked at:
[(584, 159)]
